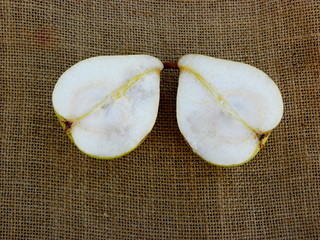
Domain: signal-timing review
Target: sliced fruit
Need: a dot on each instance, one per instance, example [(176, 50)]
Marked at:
[(108, 104), (225, 110)]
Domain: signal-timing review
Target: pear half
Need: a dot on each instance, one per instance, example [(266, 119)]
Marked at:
[(225, 110), (108, 104)]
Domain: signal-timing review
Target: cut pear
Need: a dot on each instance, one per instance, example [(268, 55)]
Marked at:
[(225, 110), (108, 104)]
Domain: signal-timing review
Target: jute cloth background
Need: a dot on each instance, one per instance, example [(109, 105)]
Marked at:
[(50, 190)]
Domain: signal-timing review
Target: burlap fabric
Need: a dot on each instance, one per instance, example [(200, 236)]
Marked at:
[(50, 190)]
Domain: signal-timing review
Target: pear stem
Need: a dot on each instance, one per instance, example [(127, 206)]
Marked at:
[(170, 65)]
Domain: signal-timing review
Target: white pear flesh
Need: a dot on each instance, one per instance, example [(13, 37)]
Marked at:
[(109, 104), (225, 109)]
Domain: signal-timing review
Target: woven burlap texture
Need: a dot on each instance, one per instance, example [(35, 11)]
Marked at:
[(162, 190)]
